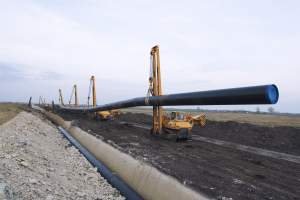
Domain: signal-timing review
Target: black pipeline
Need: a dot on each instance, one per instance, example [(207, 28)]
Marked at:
[(264, 94)]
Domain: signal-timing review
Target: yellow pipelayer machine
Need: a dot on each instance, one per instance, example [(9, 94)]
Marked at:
[(103, 115), (175, 122)]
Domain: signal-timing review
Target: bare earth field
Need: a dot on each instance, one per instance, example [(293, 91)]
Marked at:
[(217, 171)]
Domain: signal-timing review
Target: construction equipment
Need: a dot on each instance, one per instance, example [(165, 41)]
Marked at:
[(74, 93), (155, 89), (29, 103), (103, 115), (60, 99), (264, 94), (42, 100), (175, 122), (199, 120), (115, 112)]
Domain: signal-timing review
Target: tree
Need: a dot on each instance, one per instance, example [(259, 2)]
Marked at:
[(271, 110), (257, 110)]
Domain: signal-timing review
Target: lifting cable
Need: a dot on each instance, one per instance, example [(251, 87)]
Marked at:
[(72, 93), (150, 89)]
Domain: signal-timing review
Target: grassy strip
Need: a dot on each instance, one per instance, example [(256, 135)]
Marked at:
[(8, 111)]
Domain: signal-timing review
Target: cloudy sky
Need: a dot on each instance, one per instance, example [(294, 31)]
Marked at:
[(204, 45)]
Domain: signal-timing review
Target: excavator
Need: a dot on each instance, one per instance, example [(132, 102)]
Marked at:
[(42, 100), (74, 93), (168, 123), (102, 115), (61, 99)]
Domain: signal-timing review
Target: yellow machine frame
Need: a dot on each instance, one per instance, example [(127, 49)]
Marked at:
[(103, 115), (155, 88), (61, 100), (74, 92)]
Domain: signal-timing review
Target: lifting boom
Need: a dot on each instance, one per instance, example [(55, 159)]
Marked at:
[(104, 115), (155, 88), (61, 100), (74, 92)]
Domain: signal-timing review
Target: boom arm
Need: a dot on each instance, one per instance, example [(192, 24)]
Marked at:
[(155, 88), (93, 88), (74, 91), (61, 100), (76, 97)]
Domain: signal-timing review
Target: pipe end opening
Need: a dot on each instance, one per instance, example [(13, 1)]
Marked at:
[(272, 94)]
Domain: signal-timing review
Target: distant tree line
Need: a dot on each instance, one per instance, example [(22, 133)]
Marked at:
[(271, 110)]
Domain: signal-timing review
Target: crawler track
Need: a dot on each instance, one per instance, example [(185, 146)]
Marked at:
[(216, 170)]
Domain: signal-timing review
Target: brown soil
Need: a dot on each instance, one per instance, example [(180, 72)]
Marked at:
[(211, 169)]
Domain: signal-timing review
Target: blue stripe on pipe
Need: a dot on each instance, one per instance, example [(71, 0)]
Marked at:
[(113, 179)]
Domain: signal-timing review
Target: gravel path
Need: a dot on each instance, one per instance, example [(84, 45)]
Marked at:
[(36, 162)]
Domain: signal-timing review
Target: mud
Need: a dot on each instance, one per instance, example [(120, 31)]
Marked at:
[(211, 169)]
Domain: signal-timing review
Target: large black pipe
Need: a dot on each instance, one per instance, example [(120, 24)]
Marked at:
[(264, 94)]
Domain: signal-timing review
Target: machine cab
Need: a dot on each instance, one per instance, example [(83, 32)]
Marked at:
[(177, 116)]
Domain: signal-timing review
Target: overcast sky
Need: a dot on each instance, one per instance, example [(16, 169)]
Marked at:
[(204, 45)]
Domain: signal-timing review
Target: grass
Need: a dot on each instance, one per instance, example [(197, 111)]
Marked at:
[(8, 111), (258, 119), (270, 120)]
